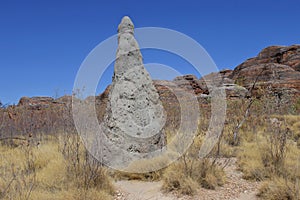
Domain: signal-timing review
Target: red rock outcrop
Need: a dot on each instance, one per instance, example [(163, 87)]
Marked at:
[(275, 67)]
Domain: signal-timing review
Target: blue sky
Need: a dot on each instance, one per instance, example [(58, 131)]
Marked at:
[(43, 43)]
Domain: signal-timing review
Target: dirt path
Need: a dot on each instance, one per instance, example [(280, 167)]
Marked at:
[(235, 188)]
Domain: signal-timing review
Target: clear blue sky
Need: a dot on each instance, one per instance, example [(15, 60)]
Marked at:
[(43, 43)]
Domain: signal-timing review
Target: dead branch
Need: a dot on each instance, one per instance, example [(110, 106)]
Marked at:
[(247, 111)]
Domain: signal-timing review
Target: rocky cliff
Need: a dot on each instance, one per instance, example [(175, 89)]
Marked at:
[(275, 67)]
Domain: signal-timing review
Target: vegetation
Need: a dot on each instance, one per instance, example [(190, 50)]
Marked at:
[(55, 169), (269, 149), (273, 157), (263, 133), (190, 172), (187, 178), (267, 145)]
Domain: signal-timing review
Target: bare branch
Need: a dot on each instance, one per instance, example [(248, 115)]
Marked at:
[(252, 99)]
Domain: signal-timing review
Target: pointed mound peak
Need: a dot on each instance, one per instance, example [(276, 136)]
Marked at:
[(126, 25)]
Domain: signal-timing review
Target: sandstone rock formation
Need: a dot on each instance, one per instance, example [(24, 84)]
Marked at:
[(275, 68), (189, 82), (134, 116)]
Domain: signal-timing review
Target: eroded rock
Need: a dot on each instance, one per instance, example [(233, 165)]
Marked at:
[(276, 68)]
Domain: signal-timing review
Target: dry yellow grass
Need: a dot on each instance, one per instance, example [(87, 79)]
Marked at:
[(28, 172), (278, 189), (250, 160), (49, 173), (187, 178), (176, 180), (273, 157)]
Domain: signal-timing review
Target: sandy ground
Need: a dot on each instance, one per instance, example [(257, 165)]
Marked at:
[(235, 188)]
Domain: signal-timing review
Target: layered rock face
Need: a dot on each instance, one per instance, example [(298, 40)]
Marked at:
[(275, 67), (134, 116)]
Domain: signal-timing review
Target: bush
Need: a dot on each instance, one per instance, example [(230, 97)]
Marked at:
[(44, 172), (250, 161), (174, 179), (274, 158), (86, 172), (208, 175), (185, 178), (278, 189)]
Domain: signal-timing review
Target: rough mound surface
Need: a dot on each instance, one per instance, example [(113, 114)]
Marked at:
[(134, 115)]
